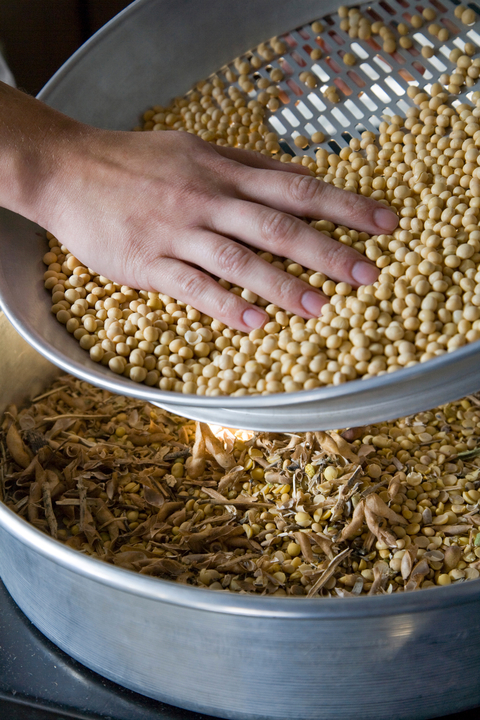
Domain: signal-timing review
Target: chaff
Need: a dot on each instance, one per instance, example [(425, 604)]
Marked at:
[(287, 514)]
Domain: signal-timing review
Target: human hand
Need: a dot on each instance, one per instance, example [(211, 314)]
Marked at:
[(160, 210), (156, 210)]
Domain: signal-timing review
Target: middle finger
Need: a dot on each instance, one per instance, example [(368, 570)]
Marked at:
[(287, 236)]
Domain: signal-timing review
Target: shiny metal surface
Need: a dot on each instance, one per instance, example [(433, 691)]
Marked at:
[(121, 71), (407, 656)]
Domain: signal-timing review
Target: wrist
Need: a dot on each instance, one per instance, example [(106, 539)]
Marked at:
[(35, 144)]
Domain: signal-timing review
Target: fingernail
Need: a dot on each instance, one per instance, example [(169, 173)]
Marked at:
[(312, 303), (385, 219), (254, 318), (364, 273)]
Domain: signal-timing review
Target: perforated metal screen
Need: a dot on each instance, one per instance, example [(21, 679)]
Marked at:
[(376, 85)]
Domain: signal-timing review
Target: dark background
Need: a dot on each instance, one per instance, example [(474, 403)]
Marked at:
[(37, 36)]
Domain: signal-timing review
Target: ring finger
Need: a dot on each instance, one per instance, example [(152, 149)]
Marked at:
[(237, 264)]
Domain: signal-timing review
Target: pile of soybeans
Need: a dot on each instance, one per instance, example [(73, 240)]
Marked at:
[(426, 301), (381, 509)]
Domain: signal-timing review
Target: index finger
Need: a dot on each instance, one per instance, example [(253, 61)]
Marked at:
[(304, 195), (255, 159)]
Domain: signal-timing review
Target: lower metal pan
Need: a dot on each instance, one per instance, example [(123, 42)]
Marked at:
[(403, 656)]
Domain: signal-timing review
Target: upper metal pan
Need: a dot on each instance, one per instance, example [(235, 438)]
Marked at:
[(112, 78)]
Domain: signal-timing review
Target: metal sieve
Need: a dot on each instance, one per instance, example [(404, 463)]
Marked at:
[(132, 81), (375, 86)]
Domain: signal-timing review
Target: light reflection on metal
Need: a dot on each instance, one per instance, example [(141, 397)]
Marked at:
[(402, 632), (229, 435)]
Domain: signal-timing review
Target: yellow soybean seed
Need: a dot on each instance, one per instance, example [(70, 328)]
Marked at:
[(303, 519), (330, 473), (178, 470), (301, 141), (257, 473), (389, 46), (293, 549), (117, 365), (468, 17), (444, 579)]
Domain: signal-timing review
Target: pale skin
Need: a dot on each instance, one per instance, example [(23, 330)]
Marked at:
[(164, 211)]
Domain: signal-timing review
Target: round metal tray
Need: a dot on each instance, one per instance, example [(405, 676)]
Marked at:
[(120, 73), (406, 656)]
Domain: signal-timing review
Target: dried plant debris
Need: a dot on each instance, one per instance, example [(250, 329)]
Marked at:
[(386, 508)]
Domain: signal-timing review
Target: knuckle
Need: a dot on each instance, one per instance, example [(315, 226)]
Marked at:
[(278, 226), (232, 259), (138, 256), (209, 297), (189, 140), (230, 306), (305, 188), (286, 288), (194, 284), (187, 192), (336, 258), (359, 208), (232, 170)]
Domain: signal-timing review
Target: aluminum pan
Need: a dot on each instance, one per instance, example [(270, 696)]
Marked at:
[(133, 75), (406, 657), (232, 604)]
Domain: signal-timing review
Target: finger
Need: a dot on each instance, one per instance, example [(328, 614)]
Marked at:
[(238, 264), (257, 160), (308, 196), (287, 236), (192, 286)]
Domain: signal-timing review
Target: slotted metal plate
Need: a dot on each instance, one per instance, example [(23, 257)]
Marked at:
[(375, 86)]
